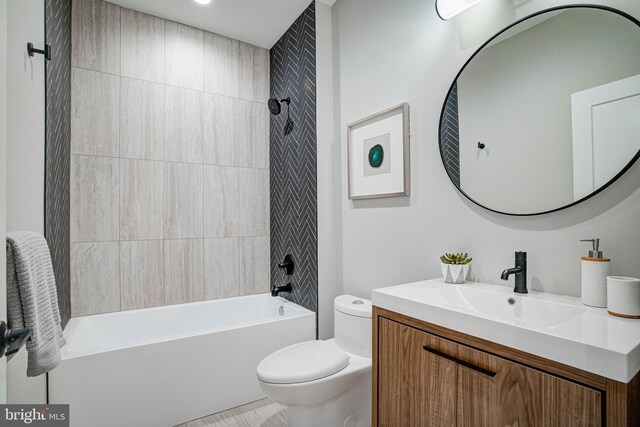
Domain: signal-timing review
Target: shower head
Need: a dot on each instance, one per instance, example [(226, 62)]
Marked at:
[(275, 105)]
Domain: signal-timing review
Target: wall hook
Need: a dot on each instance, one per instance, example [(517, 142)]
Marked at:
[(481, 145), (46, 51)]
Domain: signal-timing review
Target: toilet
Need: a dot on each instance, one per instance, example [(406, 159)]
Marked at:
[(326, 383)]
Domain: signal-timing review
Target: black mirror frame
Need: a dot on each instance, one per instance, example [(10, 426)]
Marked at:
[(455, 80)]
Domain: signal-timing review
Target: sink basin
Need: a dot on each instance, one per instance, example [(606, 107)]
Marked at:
[(552, 326), (498, 304)]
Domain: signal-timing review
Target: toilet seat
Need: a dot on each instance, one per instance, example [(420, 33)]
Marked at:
[(303, 362)]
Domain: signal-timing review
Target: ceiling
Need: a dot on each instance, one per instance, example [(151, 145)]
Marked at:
[(259, 22)]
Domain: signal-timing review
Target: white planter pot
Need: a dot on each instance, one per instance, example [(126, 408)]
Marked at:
[(454, 273)]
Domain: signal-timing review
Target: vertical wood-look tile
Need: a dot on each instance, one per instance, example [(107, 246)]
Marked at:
[(183, 201), (141, 274), (220, 201), (94, 112), (221, 65), (183, 271), (255, 276), (220, 130), (184, 56), (142, 46), (141, 119), (253, 134), (254, 73), (141, 204), (184, 125), (221, 268), (94, 198), (95, 278), (254, 202), (262, 135), (95, 35)]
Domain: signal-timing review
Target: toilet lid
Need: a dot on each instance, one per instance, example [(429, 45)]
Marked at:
[(306, 361)]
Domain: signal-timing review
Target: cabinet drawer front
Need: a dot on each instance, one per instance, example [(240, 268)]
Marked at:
[(520, 396), (416, 377)]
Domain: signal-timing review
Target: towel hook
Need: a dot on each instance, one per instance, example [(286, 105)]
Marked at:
[(46, 51)]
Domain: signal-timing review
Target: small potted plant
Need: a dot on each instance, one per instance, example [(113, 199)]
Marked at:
[(455, 267)]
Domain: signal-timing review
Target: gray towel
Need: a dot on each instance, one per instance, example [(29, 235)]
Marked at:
[(32, 300)]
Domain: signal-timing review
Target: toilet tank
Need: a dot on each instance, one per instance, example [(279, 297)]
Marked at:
[(352, 324)]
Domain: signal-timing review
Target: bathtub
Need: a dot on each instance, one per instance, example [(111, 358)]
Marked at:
[(167, 365)]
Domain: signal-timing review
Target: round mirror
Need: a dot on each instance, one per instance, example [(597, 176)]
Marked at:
[(547, 112)]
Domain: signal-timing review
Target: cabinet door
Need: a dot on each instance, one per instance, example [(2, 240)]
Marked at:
[(495, 392), (416, 378)]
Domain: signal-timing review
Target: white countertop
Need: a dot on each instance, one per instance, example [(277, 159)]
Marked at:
[(552, 326)]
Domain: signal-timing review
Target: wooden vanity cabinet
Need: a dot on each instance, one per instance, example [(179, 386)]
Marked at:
[(510, 394), (415, 387), (423, 376)]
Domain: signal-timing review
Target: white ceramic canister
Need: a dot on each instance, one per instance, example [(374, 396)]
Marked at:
[(623, 296), (595, 269)]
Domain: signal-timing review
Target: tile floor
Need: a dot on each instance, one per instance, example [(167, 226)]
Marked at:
[(263, 413)]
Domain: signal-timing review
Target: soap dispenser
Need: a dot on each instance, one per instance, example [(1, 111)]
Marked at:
[(595, 269)]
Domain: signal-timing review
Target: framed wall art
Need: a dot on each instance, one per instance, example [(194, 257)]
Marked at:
[(378, 154)]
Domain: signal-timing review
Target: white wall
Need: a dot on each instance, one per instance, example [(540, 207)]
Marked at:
[(25, 120), (328, 152), (404, 52), (24, 156), (3, 188), (536, 88)]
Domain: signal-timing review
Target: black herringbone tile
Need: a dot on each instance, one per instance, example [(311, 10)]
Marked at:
[(58, 140), (449, 136), (293, 161)]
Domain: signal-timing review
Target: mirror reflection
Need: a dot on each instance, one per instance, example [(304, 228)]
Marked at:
[(547, 113)]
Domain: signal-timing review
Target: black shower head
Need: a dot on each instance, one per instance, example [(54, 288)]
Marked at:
[(275, 106)]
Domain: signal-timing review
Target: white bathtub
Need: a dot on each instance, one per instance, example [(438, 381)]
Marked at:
[(167, 365)]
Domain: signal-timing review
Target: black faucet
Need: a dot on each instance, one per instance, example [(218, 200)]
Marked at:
[(277, 289), (287, 265), (520, 270)]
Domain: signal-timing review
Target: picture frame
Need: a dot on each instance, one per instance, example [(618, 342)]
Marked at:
[(378, 155)]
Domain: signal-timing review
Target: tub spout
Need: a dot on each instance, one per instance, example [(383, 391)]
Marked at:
[(277, 289)]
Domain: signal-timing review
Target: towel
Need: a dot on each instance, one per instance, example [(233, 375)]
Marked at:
[(32, 300)]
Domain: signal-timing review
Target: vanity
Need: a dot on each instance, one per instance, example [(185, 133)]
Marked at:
[(542, 117), (480, 355)]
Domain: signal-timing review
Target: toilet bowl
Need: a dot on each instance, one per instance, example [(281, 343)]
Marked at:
[(325, 383)]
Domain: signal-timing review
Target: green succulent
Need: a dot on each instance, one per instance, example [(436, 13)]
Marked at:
[(455, 259)]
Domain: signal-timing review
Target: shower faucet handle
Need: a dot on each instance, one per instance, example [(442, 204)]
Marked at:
[(287, 265)]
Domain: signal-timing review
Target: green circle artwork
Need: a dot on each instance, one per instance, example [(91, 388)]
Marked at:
[(376, 155)]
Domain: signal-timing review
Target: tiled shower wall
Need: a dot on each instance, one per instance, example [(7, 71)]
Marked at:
[(58, 130), (169, 163), (294, 213)]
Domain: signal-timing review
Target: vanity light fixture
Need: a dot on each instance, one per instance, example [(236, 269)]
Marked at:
[(203, 2), (447, 9)]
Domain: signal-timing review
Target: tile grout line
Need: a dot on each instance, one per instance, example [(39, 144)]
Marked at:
[(203, 117), (139, 79), (164, 136), (168, 161), (120, 168)]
